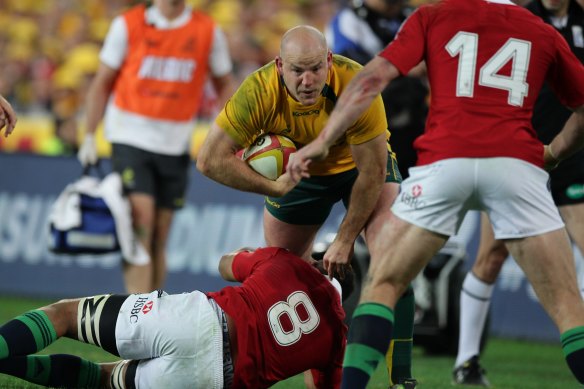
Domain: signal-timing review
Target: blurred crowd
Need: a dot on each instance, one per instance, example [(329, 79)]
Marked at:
[(49, 52)]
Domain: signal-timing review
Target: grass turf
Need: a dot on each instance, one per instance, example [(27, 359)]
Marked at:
[(511, 364)]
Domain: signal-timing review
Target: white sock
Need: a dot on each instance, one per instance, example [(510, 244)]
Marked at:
[(475, 299)]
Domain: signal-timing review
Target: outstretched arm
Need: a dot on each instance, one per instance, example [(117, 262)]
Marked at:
[(354, 100), (371, 160)]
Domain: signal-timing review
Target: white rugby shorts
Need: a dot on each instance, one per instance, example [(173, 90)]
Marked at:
[(177, 337), (513, 193)]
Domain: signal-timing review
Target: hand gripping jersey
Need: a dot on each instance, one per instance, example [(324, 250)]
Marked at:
[(288, 317), (262, 104), (485, 73)]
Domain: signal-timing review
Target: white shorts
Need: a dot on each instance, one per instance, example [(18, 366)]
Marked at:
[(178, 339), (513, 193)]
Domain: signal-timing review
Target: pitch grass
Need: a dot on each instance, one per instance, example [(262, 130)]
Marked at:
[(511, 364)]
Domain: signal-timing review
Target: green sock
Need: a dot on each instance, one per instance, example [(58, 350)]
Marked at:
[(369, 336), (573, 347), (26, 334), (399, 355), (58, 371)]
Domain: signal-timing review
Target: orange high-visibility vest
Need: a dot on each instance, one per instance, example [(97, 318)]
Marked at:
[(164, 71)]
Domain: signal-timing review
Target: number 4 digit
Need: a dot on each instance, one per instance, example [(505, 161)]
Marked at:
[(465, 46)]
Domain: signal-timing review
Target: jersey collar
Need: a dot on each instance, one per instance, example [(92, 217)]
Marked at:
[(154, 17)]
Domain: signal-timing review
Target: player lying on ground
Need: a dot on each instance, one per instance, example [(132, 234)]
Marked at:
[(284, 319)]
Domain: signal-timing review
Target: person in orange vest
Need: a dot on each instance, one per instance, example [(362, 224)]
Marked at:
[(148, 89)]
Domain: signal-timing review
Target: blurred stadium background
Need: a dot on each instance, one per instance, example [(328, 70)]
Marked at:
[(48, 54)]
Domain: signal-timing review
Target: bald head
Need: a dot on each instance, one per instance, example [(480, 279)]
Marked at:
[(303, 40), (303, 63)]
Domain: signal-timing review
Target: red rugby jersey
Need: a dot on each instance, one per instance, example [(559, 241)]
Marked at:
[(486, 64), (288, 317)]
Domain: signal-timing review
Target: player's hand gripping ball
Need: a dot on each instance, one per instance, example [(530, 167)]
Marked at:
[(269, 155)]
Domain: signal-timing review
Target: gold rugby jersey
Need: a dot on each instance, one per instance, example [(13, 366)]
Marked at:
[(262, 104)]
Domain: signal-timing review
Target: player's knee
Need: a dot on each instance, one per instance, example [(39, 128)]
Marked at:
[(63, 304), (489, 263), (63, 315), (389, 289), (499, 251)]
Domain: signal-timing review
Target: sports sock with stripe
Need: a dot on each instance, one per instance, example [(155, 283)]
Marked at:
[(573, 347), (475, 299), (26, 334), (399, 355), (56, 371), (368, 341)]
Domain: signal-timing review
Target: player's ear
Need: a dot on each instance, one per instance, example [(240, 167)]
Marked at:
[(329, 59), (279, 65)]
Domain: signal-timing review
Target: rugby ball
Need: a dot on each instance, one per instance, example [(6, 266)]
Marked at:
[(269, 155)]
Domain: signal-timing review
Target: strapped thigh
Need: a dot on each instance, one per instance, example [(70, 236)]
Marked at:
[(96, 320)]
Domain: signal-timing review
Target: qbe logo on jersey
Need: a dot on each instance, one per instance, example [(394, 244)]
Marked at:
[(292, 318)]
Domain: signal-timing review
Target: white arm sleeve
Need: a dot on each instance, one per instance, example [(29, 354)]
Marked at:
[(115, 46), (220, 60)]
